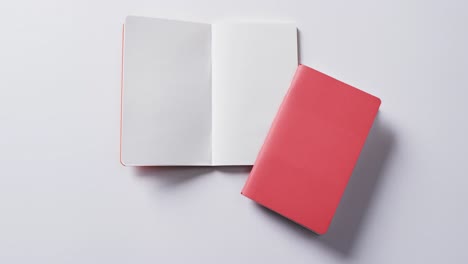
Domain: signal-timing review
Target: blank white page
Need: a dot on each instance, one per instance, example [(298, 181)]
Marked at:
[(253, 65), (166, 99)]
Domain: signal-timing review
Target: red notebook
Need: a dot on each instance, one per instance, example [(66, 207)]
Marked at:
[(310, 152)]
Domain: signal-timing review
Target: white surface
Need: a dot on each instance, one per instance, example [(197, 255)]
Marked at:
[(197, 94), (65, 198), (166, 114), (253, 65)]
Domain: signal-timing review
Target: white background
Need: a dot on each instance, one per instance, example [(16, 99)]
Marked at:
[(65, 198)]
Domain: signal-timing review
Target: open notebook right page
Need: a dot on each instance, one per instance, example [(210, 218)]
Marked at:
[(252, 67)]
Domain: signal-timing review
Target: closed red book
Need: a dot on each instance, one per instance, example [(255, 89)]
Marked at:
[(312, 148)]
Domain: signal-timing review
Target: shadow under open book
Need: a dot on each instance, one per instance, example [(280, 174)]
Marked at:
[(343, 234), (176, 175), (173, 176)]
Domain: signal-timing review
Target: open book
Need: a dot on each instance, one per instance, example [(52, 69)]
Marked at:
[(201, 94)]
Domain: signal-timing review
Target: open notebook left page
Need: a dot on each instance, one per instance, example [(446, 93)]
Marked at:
[(166, 93)]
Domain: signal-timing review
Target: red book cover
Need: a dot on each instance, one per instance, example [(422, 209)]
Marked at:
[(310, 152)]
